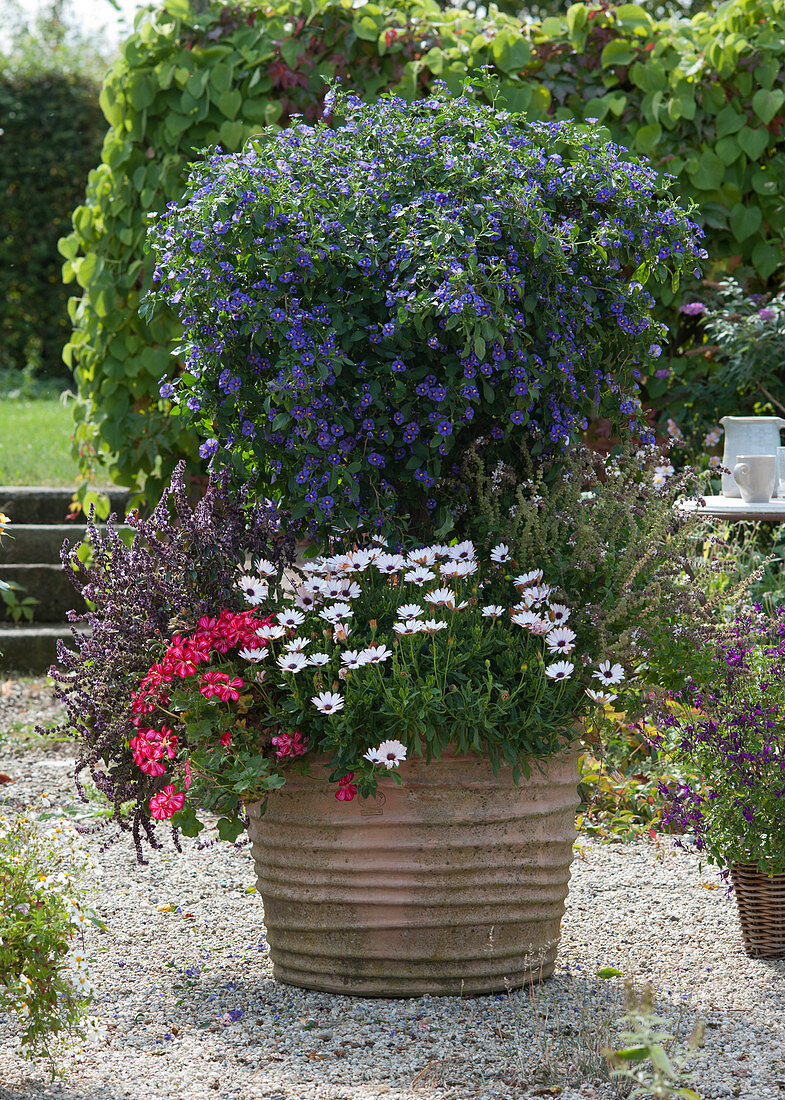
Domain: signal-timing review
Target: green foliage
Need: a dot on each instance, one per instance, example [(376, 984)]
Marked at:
[(43, 975), (18, 606), (50, 127), (703, 99)]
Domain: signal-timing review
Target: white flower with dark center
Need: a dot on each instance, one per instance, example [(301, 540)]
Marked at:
[(492, 611), (292, 662), (304, 600), (526, 580), (296, 645), (389, 753), (253, 654), (424, 555), (389, 563), (454, 568), (464, 551), (440, 597), (609, 674), (341, 632), (375, 654), (361, 559), (331, 588), (410, 626), (253, 588), (314, 566), (558, 613), (431, 626), (409, 611), (290, 618), (600, 696), (353, 658), (328, 702), (560, 670), (336, 612), (524, 617), (317, 659), (270, 633), (560, 640), (266, 568), (350, 591), (419, 575), (500, 554)]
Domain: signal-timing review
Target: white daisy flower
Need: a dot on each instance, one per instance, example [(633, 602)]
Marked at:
[(390, 563), (534, 576), (560, 640), (410, 626), (558, 613), (328, 702), (341, 632), (361, 559), (296, 645), (253, 654), (292, 662), (419, 575), (492, 611), (665, 471), (350, 591), (522, 616), (424, 555), (354, 658), (409, 611), (560, 670), (331, 588), (270, 633), (431, 626), (306, 601), (500, 553), (290, 618), (464, 551), (389, 753), (317, 659), (600, 696), (336, 612), (253, 588), (440, 597), (609, 674), (375, 654), (265, 568)]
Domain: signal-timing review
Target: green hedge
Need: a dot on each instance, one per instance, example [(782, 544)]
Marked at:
[(50, 137), (704, 99)]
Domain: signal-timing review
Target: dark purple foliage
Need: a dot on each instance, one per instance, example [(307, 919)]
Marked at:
[(182, 564)]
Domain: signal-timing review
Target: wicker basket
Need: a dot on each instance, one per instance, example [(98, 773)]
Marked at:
[(761, 901)]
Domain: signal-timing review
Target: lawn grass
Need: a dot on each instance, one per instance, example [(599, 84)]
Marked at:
[(35, 443)]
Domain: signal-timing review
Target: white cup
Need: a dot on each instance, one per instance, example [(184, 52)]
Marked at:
[(781, 471), (754, 475)]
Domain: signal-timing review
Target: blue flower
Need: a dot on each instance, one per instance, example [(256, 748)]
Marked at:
[(167, 391), (444, 427), (208, 448)]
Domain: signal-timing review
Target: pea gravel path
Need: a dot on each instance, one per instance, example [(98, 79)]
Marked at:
[(189, 1007)]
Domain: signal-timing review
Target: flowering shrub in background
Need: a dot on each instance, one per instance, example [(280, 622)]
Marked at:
[(44, 974), (360, 304), (374, 658), (729, 729)]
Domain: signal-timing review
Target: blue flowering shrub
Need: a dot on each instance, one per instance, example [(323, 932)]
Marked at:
[(362, 303)]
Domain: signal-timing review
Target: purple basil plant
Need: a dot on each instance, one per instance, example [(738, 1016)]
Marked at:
[(181, 565), (726, 732)]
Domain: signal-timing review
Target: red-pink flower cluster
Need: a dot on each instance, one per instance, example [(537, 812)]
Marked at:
[(151, 747), (346, 789), (289, 744)]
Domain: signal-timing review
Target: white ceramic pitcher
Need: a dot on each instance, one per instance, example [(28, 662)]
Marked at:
[(747, 435)]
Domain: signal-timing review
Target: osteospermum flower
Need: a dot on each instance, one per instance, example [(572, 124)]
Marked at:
[(253, 654), (425, 555), (410, 626), (265, 568), (290, 618), (525, 580), (353, 658), (419, 575), (328, 702), (492, 611), (271, 632), (292, 662), (500, 554), (336, 612), (318, 659), (296, 645), (558, 613), (409, 611), (456, 568), (253, 588), (432, 626), (389, 563), (375, 654), (600, 696), (389, 753), (560, 640), (440, 597), (609, 674), (464, 551), (560, 670)]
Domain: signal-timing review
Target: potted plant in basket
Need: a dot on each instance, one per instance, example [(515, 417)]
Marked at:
[(728, 728)]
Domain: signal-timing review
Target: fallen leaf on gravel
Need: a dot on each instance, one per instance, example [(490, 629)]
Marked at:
[(709, 885), (5, 778), (549, 1090)]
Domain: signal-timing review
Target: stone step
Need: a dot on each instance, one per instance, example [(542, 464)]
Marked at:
[(40, 504), (49, 585), (40, 543), (31, 648)]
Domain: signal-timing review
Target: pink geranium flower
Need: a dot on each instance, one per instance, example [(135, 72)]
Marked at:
[(346, 789), (289, 744), (166, 803)]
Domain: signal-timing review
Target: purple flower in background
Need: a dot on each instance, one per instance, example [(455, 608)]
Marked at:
[(655, 350), (693, 309), (167, 391), (767, 314), (208, 448)]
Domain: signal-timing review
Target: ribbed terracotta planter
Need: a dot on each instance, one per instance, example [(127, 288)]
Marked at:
[(761, 902), (452, 883)]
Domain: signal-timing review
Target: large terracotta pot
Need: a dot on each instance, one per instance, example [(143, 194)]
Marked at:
[(453, 882)]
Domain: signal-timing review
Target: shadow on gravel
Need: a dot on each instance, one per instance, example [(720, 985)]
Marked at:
[(34, 1088)]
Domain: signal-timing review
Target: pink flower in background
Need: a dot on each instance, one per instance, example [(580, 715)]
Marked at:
[(226, 738), (289, 744), (346, 789), (166, 803)]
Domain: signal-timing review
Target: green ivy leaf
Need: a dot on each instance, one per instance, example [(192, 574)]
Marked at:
[(766, 102), (753, 142)]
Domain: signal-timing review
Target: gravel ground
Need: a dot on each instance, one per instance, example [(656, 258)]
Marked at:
[(189, 1007)]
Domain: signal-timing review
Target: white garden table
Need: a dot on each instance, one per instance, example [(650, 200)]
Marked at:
[(735, 509)]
